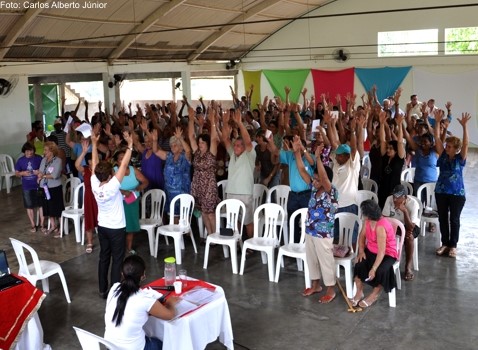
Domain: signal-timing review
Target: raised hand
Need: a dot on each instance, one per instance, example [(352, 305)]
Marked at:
[(179, 132), (84, 145), (296, 144), (382, 117), (448, 105), (465, 117), (128, 138)]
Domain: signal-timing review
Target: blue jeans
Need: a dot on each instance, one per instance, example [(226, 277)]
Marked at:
[(153, 344), (297, 200), (112, 247), (349, 209)]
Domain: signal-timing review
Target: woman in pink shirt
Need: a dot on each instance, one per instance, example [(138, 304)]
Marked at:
[(377, 253)]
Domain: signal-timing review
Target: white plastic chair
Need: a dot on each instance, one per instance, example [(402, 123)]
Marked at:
[(429, 216), (370, 185), (176, 231), (76, 214), (234, 212), (7, 171), (149, 223), (392, 298), (90, 341), (295, 249), (281, 197), (221, 187), (415, 241), (363, 195), (408, 175), (258, 195), (69, 191), (266, 243), (365, 172), (408, 186), (346, 222), (38, 269)]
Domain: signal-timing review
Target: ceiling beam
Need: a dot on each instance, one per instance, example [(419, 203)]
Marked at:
[(18, 28), (145, 25), (264, 5)]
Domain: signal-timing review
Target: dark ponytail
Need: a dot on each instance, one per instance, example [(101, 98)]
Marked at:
[(133, 269)]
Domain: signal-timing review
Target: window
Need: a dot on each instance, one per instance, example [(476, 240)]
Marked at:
[(408, 43), (461, 41)]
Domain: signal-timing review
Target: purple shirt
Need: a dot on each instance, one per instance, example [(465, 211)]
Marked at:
[(29, 164)]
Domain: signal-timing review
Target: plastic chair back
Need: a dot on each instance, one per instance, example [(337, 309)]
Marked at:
[(408, 175), (363, 195), (258, 195), (186, 207), (273, 215), (408, 186), (157, 199), (370, 185), (282, 195), (303, 217), (233, 211), (78, 201), (7, 166), (346, 222), (429, 195), (221, 187), (90, 341), (69, 187), (19, 248), (398, 224)]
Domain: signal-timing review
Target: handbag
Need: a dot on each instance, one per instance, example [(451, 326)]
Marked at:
[(340, 251), (223, 231)]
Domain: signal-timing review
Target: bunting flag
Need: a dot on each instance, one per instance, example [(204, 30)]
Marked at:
[(386, 79), (332, 83), (295, 79), (253, 78)]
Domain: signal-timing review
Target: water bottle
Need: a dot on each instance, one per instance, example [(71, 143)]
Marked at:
[(169, 271), (47, 192)]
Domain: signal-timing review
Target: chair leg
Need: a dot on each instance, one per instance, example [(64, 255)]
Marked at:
[(398, 278), (151, 240), (264, 257), (285, 231), (233, 248), (177, 249), (279, 259), (415, 254), (62, 220), (65, 286), (307, 275), (156, 245), (423, 226), (194, 241), (392, 298), (348, 281), (270, 265), (243, 258), (299, 264), (45, 284), (76, 222), (225, 250), (206, 254)]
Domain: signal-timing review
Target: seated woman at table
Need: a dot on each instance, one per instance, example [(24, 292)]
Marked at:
[(128, 308), (377, 253)]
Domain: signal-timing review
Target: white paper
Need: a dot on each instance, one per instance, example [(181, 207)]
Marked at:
[(85, 129), (315, 124)]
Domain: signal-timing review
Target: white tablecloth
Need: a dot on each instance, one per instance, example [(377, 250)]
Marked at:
[(197, 329), (32, 336)]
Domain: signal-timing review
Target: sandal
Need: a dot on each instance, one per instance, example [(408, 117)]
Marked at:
[(452, 253), (89, 248), (309, 291), (33, 229), (326, 299), (56, 231), (409, 276), (365, 304), (44, 230), (355, 302), (442, 250)]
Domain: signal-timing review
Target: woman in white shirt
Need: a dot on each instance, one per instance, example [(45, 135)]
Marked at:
[(128, 308)]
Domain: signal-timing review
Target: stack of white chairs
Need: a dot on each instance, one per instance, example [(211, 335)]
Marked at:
[(7, 171), (76, 213)]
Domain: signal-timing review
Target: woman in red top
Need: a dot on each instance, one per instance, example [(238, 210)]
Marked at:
[(377, 253)]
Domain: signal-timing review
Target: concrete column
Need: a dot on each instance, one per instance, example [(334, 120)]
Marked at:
[(186, 84)]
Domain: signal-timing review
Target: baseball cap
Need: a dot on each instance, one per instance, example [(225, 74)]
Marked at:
[(399, 191), (343, 148)]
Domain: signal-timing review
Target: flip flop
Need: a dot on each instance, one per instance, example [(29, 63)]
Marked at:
[(327, 299), (409, 276), (309, 291), (89, 248), (355, 302), (33, 229)]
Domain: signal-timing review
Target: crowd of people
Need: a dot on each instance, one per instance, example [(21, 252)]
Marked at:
[(157, 147)]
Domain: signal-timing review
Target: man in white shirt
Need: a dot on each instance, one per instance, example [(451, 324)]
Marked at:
[(405, 209)]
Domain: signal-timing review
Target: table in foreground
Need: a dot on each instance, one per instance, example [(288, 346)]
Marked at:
[(196, 329)]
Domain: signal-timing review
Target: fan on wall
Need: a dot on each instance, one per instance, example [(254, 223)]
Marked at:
[(118, 80), (7, 85), (340, 55)]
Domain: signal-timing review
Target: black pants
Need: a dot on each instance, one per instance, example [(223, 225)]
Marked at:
[(449, 224), (112, 247)]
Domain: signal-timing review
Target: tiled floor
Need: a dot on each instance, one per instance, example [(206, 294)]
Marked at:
[(438, 310)]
